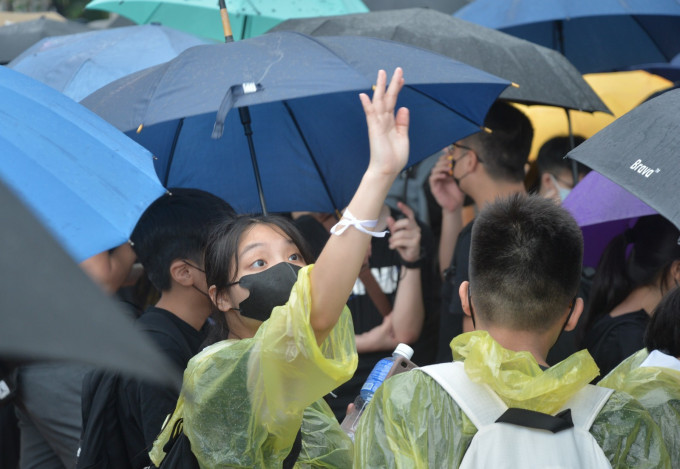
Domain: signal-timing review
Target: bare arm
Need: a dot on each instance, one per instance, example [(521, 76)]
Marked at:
[(408, 310), (378, 339), (449, 196), (110, 269), (339, 263)]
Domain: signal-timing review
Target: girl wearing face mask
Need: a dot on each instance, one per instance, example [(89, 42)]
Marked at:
[(256, 398)]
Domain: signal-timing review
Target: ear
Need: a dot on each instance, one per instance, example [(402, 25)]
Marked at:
[(546, 181), (463, 293), (221, 300), (675, 271), (575, 315), (181, 273)]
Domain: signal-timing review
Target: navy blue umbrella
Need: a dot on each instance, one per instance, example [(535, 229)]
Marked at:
[(309, 136), (595, 35)]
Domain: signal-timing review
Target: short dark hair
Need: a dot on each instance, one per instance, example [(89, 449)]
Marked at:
[(525, 262), (176, 226), (663, 330), (505, 150), (551, 156), (222, 247)]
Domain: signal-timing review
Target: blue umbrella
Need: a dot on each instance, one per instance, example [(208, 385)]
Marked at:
[(84, 180), (78, 64), (308, 128), (670, 71), (595, 35)]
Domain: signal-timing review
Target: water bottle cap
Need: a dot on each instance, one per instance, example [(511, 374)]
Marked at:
[(404, 350)]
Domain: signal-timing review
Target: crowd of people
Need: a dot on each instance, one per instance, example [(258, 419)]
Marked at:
[(275, 322)]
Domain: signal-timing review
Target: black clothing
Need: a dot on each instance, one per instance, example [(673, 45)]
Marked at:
[(385, 265), (140, 407), (451, 318), (612, 340)]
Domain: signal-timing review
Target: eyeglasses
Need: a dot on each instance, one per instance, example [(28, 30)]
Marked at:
[(455, 145), (194, 266), (566, 184)]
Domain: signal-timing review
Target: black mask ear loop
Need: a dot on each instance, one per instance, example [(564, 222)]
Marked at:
[(194, 286), (571, 311), (472, 312)]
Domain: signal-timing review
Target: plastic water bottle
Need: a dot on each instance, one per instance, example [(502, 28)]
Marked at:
[(373, 382)]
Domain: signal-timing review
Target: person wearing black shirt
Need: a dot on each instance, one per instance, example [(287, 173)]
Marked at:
[(483, 166)]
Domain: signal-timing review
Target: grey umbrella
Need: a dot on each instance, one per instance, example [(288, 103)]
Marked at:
[(640, 152), (17, 37), (445, 6), (544, 76), (50, 310)]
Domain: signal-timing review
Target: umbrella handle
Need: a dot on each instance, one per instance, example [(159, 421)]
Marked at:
[(226, 25)]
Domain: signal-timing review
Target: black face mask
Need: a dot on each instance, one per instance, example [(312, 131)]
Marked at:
[(268, 289)]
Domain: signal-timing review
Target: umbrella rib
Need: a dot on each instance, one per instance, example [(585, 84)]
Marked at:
[(172, 152), (445, 105), (656, 44), (309, 152)]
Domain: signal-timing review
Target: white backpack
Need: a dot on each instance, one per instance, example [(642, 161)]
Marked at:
[(517, 438)]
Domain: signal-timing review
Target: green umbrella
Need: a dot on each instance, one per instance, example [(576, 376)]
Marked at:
[(202, 17)]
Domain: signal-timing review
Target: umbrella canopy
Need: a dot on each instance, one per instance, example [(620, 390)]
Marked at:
[(308, 124), (202, 17), (602, 209), (543, 75), (670, 71), (445, 6), (596, 36), (79, 64), (17, 37), (85, 180), (50, 310), (620, 91), (639, 152)]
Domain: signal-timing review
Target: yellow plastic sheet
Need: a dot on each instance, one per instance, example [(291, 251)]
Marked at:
[(657, 389), (243, 401), (412, 422), (516, 376)]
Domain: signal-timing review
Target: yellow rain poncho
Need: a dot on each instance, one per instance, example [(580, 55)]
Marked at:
[(243, 400), (657, 389), (412, 422)]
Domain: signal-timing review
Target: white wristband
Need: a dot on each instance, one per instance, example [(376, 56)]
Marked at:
[(348, 220)]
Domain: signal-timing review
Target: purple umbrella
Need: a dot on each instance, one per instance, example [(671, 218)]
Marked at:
[(602, 209)]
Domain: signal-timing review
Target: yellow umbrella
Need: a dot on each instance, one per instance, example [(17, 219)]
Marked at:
[(620, 91)]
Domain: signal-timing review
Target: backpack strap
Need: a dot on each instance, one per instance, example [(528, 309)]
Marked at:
[(586, 404), (481, 405)]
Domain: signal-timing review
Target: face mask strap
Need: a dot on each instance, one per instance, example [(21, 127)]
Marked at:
[(472, 312)]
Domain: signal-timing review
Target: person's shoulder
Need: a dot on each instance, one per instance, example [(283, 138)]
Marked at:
[(627, 434)]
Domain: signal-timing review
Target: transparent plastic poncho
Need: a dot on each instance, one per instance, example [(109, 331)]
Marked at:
[(243, 401), (412, 422), (657, 389)]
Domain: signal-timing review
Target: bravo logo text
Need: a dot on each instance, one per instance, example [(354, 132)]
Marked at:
[(646, 171)]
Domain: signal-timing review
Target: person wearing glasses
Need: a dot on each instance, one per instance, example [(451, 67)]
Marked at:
[(484, 166), (555, 175)]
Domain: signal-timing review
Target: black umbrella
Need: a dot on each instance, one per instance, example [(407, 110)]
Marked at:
[(17, 37), (544, 76), (445, 6), (50, 310), (640, 152)]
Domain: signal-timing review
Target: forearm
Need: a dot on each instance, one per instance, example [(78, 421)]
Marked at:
[(339, 263), (408, 312), (452, 224)]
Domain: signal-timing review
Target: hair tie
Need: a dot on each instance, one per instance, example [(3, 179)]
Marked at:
[(348, 220)]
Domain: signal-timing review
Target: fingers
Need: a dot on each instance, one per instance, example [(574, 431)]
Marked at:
[(406, 210), (396, 83)]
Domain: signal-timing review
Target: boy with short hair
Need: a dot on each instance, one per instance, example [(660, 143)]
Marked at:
[(525, 264)]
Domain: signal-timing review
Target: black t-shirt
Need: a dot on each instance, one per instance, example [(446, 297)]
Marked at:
[(613, 339), (143, 407), (451, 318)]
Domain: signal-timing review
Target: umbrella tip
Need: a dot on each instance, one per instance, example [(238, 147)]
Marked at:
[(514, 85), (487, 130), (139, 129)]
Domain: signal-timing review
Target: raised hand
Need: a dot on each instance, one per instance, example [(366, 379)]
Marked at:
[(442, 185), (405, 234), (388, 133)]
